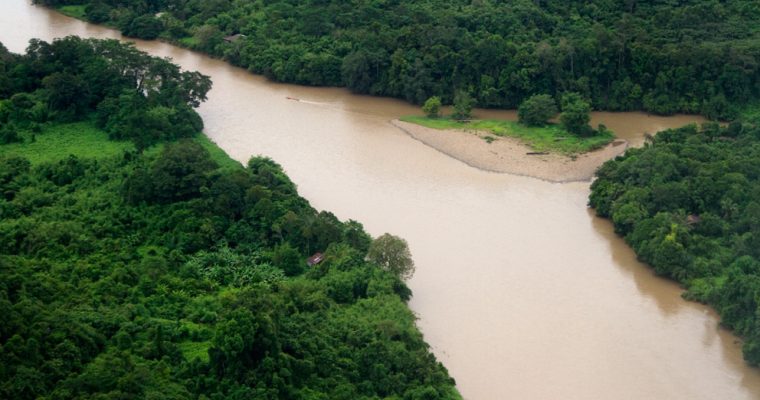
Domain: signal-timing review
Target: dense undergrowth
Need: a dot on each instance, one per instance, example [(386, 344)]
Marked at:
[(155, 270), (694, 56), (689, 205)]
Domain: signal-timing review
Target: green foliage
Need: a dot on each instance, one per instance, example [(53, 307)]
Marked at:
[(181, 172), (66, 93), (718, 108), (144, 27), (58, 141), (687, 204), (392, 254), (97, 12), (663, 57), (76, 11), (576, 114), (537, 110), (463, 103), (546, 138), (153, 290), (432, 107), (8, 135), (217, 155), (195, 350), (160, 275), (287, 259), (135, 96)]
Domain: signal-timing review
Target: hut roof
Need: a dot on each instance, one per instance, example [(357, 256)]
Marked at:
[(315, 259), (233, 38)]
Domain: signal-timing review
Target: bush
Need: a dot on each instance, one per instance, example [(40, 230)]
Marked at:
[(97, 12), (537, 110), (145, 27), (8, 135), (462, 105), (432, 107), (717, 108)]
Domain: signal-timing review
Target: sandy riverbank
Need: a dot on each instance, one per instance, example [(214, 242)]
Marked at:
[(510, 155)]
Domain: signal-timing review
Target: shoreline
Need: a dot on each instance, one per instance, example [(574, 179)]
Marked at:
[(508, 155)]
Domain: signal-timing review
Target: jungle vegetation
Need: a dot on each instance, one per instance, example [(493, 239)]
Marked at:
[(689, 205), (158, 268), (691, 56)]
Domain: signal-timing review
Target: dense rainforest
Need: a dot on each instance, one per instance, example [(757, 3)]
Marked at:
[(665, 56), (161, 271), (689, 205)]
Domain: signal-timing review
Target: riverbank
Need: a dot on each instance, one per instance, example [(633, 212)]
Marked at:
[(490, 249), (492, 153), (204, 233)]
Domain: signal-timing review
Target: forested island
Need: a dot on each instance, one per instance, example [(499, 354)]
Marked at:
[(138, 261), (698, 56)]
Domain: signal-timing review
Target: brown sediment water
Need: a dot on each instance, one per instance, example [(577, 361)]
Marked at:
[(521, 292)]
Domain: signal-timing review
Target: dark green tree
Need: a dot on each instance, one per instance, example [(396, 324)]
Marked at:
[(463, 104), (576, 114), (66, 93), (537, 110), (145, 27), (287, 259), (181, 171)]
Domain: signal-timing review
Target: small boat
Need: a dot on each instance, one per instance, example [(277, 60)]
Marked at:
[(293, 98)]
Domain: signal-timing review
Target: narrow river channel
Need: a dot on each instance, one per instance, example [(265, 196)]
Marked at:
[(521, 292)]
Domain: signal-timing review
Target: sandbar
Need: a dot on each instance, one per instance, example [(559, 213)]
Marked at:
[(511, 155)]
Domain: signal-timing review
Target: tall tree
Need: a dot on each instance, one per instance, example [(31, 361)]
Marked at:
[(576, 114), (392, 254)]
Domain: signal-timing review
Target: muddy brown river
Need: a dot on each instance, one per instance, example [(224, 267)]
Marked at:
[(521, 292)]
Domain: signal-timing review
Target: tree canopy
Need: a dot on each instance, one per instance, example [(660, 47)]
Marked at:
[(537, 110), (432, 107), (576, 114), (164, 275), (463, 104), (688, 205), (137, 97), (392, 254), (695, 56)]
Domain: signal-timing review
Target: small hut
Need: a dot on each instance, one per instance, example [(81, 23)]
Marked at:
[(233, 38), (693, 219), (315, 259)]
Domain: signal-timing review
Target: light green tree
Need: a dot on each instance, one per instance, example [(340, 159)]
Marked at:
[(392, 254), (432, 107)]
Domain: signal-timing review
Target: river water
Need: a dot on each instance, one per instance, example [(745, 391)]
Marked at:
[(521, 292)]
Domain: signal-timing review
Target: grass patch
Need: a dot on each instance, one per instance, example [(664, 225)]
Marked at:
[(73, 11), (56, 142), (193, 350), (189, 42), (84, 140), (547, 138), (217, 154)]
